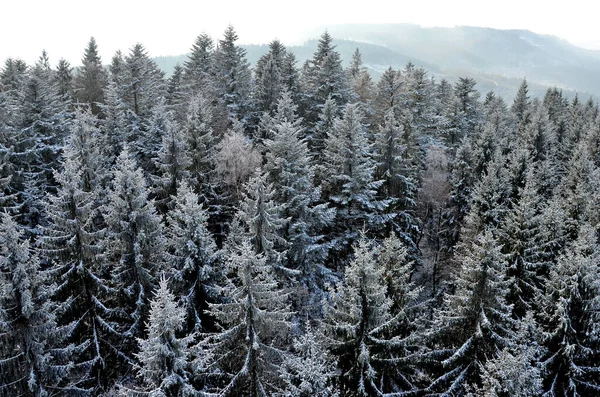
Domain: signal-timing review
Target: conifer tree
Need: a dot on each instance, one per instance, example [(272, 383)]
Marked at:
[(71, 242), (91, 78), (133, 250), (474, 322), (246, 356), (569, 320), (357, 319), (191, 252), (165, 358), (232, 76), (324, 78), (309, 371), (197, 69), (347, 179), (34, 356)]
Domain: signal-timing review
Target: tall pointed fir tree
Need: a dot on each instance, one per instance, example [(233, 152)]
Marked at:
[(290, 170), (356, 327), (570, 320), (269, 78), (347, 180), (165, 358), (197, 69), (71, 242), (35, 358), (325, 77), (133, 252), (143, 83), (520, 107), (388, 94), (91, 78), (474, 323), (395, 155), (323, 128), (310, 370), (42, 127), (63, 79), (259, 219), (201, 143), (233, 78), (245, 357), (464, 112), (172, 163), (191, 251)]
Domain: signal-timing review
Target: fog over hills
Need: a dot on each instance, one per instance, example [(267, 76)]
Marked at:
[(497, 59)]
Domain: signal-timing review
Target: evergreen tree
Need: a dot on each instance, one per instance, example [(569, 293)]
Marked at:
[(34, 357), (164, 358), (570, 320), (197, 69), (357, 319), (71, 242), (290, 170), (133, 250), (63, 79), (246, 356), (324, 78), (91, 78), (347, 179), (192, 253), (475, 322), (232, 76), (309, 371), (520, 106)]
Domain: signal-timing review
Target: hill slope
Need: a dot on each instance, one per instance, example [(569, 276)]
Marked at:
[(497, 59)]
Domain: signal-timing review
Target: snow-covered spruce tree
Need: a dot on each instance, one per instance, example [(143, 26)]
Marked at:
[(191, 252), (570, 320), (515, 371), (309, 370), (233, 79), (396, 155), (165, 359), (172, 163), (148, 141), (269, 78), (356, 327), (526, 243), (133, 251), (245, 356), (289, 169), (200, 142), (91, 78), (324, 78), (35, 359), (387, 94), (521, 105), (63, 79), (118, 125), (260, 218), (143, 84), (70, 241), (347, 181), (85, 145), (323, 128), (197, 69), (417, 99), (474, 323), (464, 112), (42, 128)]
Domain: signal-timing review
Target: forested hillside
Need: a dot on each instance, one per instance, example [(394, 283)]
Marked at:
[(293, 230)]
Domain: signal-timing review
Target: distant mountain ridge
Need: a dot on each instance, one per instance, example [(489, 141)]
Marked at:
[(497, 59)]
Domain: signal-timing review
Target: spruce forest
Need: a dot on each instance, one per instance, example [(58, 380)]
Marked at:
[(293, 230)]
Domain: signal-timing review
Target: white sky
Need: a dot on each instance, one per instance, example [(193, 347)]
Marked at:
[(63, 27)]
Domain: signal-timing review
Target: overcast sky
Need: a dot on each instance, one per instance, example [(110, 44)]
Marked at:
[(63, 27)]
